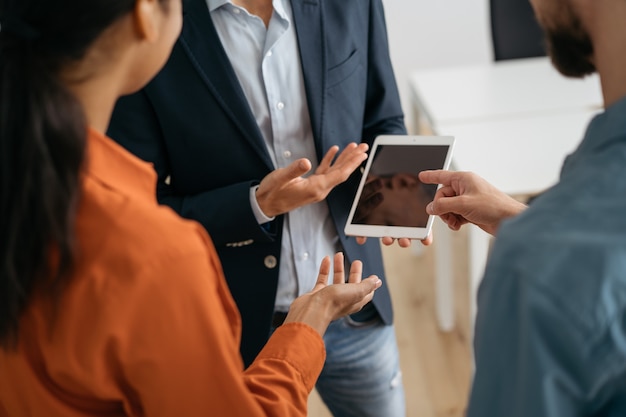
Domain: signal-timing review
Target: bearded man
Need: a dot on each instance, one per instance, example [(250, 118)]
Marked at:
[(550, 336)]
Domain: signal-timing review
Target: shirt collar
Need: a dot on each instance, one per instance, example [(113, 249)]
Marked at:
[(609, 122), (282, 8), (603, 129), (117, 168), (216, 4), (279, 6)]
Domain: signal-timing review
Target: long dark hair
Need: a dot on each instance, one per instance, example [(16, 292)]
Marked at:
[(42, 142)]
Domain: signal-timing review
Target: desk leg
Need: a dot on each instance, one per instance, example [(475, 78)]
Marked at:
[(444, 281)]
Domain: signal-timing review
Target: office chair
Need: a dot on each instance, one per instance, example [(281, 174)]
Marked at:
[(514, 30)]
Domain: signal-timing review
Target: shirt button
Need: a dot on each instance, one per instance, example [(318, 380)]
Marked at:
[(236, 10), (305, 255), (280, 105), (270, 262), (287, 154), (268, 54)]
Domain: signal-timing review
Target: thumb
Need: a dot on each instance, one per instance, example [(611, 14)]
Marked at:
[(296, 169), (443, 205), (370, 283)]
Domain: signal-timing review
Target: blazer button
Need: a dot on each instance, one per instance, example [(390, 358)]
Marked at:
[(270, 262)]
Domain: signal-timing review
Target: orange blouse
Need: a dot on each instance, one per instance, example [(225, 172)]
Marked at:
[(147, 326)]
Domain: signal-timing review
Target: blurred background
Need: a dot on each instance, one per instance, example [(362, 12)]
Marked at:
[(431, 34)]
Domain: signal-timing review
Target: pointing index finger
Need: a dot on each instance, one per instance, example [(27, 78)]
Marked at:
[(436, 177)]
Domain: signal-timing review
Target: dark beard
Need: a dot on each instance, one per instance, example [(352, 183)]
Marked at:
[(571, 50)]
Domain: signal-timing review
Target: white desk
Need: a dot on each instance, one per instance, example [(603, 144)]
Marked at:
[(514, 122), (518, 155), (503, 89)]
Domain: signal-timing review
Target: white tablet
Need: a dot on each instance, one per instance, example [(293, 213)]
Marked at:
[(391, 200)]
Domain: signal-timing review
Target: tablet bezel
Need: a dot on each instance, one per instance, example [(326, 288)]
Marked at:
[(366, 230)]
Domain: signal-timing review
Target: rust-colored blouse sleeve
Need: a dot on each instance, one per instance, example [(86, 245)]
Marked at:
[(180, 355), (146, 326)]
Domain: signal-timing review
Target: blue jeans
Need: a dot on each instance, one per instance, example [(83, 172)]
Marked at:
[(361, 375)]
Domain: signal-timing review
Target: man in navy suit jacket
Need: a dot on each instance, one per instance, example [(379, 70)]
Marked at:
[(252, 88)]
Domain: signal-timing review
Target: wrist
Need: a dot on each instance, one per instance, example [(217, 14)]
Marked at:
[(258, 207), (512, 209), (311, 310)]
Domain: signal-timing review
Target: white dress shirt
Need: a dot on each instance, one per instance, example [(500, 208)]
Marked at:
[(266, 61)]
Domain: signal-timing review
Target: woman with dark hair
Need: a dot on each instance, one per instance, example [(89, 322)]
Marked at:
[(109, 304)]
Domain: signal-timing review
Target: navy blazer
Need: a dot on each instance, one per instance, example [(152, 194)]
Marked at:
[(193, 122)]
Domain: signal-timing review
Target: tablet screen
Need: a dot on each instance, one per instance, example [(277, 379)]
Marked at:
[(391, 195)]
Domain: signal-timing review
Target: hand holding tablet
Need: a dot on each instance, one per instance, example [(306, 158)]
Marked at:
[(391, 200)]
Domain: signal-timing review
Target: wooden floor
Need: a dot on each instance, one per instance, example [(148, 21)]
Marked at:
[(436, 365)]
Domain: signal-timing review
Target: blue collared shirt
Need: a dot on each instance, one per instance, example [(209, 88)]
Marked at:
[(551, 327), (266, 62)]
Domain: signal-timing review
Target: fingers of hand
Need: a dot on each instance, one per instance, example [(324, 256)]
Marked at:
[(338, 274), (352, 297), (455, 204), (322, 277), (453, 221), (327, 162), (356, 295), (297, 169), (369, 285), (352, 149), (446, 191), (356, 271), (329, 173), (405, 242), (350, 159), (280, 177), (435, 207), (328, 159), (436, 177), (329, 176)]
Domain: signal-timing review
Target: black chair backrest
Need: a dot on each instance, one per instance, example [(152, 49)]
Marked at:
[(514, 30)]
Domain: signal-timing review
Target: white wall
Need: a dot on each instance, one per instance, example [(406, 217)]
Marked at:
[(435, 33)]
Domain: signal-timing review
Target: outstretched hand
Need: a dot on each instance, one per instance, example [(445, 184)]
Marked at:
[(327, 302), (467, 198), (286, 189)]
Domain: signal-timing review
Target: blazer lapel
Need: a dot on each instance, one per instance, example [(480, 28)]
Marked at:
[(307, 15), (201, 42)]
